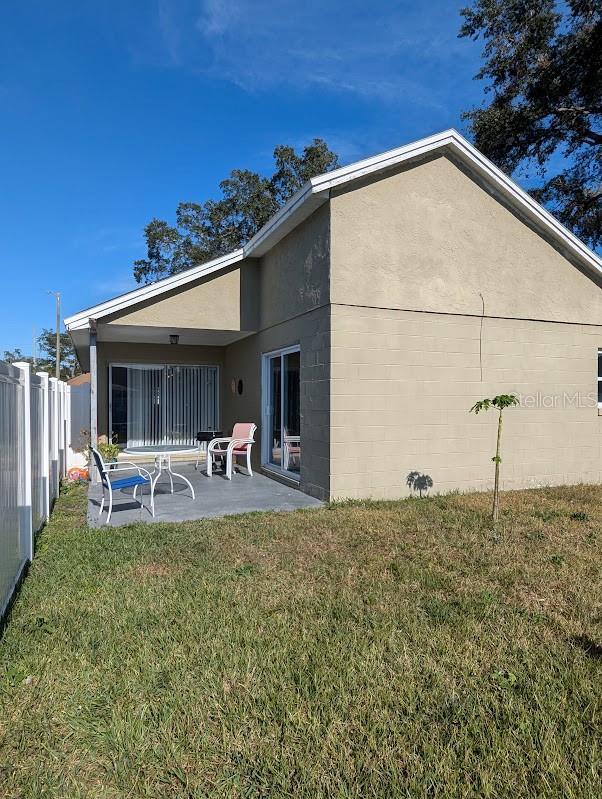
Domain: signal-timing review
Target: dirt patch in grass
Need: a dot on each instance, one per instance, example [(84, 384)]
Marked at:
[(143, 571)]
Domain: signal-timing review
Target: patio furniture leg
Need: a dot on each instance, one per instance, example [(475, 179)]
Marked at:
[(250, 471), (185, 479), (209, 463), (140, 501), (154, 482), (102, 504), (170, 478), (110, 505)]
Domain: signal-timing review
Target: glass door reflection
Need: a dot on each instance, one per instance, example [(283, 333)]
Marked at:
[(282, 411)]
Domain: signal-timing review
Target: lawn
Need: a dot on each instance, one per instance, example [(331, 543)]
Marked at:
[(367, 649)]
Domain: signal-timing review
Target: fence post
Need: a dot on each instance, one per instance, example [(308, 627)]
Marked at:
[(25, 462), (54, 434), (45, 444), (94, 476), (61, 427), (68, 455)]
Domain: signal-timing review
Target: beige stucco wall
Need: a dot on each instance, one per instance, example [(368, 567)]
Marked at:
[(402, 384), (118, 352), (430, 238), (294, 275), (226, 300)]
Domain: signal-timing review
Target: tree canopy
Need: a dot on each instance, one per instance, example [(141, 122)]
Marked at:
[(216, 227), (543, 64), (46, 360)]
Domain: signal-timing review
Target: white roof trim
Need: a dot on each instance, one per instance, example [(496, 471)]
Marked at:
[(317, 191)]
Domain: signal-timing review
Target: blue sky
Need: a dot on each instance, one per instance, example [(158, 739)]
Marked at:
[(113, 112)]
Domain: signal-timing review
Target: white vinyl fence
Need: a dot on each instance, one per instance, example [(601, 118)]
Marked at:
[(34, 445)]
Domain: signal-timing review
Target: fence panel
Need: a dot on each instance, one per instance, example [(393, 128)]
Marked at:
[(13, 547), (35, 438), (38, 477)]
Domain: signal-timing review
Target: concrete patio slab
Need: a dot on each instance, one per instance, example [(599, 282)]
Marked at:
[(214, 497)]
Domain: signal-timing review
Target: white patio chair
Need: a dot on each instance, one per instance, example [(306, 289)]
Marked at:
[(292, 450), (237, 445), (142, 478)]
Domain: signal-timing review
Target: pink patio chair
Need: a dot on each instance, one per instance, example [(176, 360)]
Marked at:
[(238, 445)]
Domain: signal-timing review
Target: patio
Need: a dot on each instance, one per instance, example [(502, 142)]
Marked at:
[(214, 497)]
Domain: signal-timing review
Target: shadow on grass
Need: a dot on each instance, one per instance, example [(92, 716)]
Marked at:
[(585, 643)]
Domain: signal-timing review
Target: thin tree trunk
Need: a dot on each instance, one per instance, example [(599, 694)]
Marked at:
[(496, 485)]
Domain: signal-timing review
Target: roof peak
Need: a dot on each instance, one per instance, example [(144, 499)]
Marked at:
[(317, 191)]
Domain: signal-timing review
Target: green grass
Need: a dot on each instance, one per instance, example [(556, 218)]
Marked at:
[(367, 649)]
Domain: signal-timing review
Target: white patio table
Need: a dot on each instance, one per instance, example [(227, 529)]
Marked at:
[(162, 454)]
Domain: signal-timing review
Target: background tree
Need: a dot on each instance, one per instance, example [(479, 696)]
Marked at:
[(500, 402), (16, 355), (46, 360), (47, 355), (216, 227), (543, 64)]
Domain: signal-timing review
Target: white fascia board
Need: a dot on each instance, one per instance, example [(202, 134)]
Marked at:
[(81, 320), (298, 208), (316, 191), (382, 161)]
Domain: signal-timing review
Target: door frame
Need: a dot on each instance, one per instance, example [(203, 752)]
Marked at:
[(265, 410)]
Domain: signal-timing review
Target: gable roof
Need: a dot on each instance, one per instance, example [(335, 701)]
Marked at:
[(317, 191)]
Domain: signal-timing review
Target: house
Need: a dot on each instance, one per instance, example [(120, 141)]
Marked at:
[(359, 326)]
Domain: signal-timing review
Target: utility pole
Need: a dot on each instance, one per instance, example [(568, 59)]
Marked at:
[(57, 297), (34, 350)]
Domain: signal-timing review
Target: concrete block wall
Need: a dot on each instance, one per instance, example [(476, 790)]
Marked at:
[(402, 384)]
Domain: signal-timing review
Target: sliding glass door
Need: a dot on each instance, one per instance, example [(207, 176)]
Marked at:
[(162, 404), (282, 411)]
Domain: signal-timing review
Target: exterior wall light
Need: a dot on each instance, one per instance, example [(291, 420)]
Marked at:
[(174, 338)]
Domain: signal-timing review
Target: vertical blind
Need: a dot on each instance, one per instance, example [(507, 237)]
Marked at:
[(170, 404)]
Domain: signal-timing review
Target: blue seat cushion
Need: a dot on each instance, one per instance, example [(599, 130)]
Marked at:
[(128, 482)]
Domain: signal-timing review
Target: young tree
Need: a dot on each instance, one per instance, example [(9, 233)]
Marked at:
[(543, 64), (216, 227), (500, 402)]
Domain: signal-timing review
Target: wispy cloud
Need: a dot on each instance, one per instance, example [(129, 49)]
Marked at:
[(108, 240), (386, 54), (112, 287), (217, 17)]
